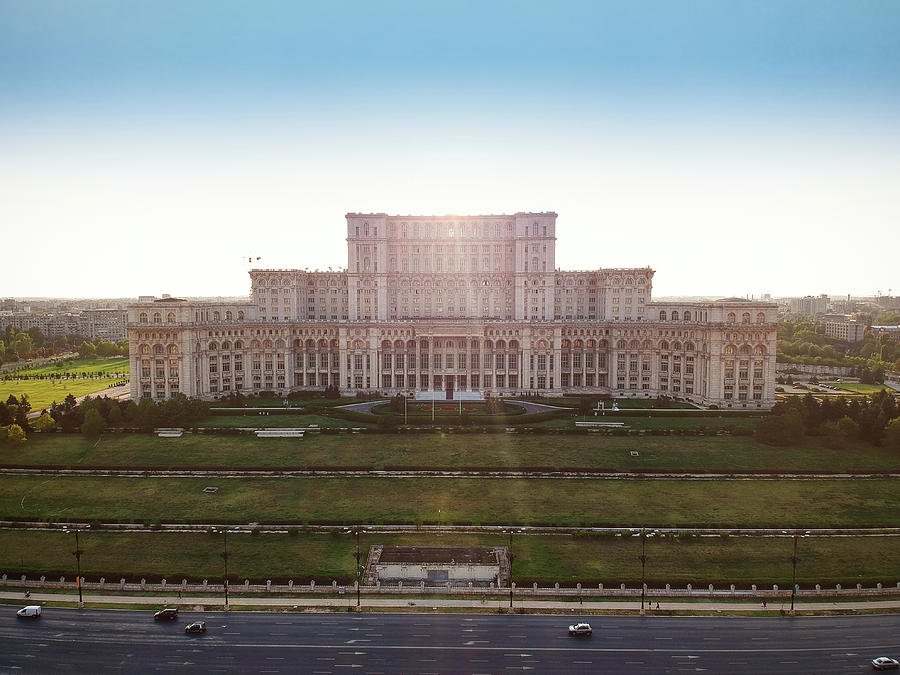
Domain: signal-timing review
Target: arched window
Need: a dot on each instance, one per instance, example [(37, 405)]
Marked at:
[(240, 316), (145, 349), (213, 346), (689, 346), (759, 350), (157, 349), (143, 317), (173, 349), (761, 317), (687, 316), (676, 346), (662, 315), (731, 317), (216, 316), (157, 317), (729, 350), (674, 315), (745, 317), (620, 344), (238, 345), (228, 316)]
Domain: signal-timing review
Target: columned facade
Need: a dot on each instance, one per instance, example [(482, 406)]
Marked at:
[(456, 304)]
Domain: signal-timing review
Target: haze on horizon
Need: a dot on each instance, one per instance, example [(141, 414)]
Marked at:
[(736, 148)]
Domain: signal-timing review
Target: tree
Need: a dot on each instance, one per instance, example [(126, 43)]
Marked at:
[(93, 424), (45, 423), (87, 350), (114, 417), (782, 430), (585, 405), (892, 435), (15, 434)]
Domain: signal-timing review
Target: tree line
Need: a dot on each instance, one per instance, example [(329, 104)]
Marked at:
[(805, 342), (17, 345), (96, 414), (874, 419)]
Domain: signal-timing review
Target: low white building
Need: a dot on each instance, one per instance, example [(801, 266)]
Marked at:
[(438, 565)]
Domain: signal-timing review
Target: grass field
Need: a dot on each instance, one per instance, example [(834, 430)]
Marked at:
[(545, 559), (442, 451), (710, 424), (41, 393), (572, 402), (577, 502), (111, 366), (858, 388), (267, 421)]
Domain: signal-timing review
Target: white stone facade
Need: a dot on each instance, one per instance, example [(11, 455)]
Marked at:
[(456, 303)]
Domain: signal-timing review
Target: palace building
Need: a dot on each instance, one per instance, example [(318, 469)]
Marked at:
[(456, 306)]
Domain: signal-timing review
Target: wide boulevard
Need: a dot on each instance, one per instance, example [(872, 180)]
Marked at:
[(102, 641)]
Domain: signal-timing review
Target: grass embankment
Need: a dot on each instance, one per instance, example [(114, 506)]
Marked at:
[(447, 451), (630, 503), (859, 388), (42, 393), (707, 424), (545, 559), (255, 419), (110, 366), (572, 402)]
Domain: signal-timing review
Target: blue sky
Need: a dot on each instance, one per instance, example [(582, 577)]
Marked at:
[(752, 135)]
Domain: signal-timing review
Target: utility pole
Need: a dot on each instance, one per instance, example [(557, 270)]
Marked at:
[(224, 555), (77, 553), (794, 560), (643, 559), (405, 422), (509, 576), (357, 566)]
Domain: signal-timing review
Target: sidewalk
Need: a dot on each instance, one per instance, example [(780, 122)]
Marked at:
[(215, 602)]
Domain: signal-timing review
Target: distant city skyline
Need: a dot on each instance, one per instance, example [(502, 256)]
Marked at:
[(739, 148)]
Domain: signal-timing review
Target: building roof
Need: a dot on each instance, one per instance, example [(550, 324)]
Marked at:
[(476, 555)]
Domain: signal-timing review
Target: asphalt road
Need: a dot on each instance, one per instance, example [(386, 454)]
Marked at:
[(108, 641)]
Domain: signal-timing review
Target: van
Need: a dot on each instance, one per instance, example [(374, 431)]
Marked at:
[(30, 612)]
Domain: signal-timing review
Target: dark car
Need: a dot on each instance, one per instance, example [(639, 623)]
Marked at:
[(167, 614), (196, 627)]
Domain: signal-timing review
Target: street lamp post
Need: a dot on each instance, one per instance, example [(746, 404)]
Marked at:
[(357, 567), (509, 576), (643, 559), (77, 553), (794, 560), (224, 555)]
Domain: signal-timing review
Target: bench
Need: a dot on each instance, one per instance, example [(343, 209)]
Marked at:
[(617, 425), (168, 433)]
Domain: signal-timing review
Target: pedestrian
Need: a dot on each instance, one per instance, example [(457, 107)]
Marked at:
[(179, 595), (764, 604), (657, 605), (27, 594)]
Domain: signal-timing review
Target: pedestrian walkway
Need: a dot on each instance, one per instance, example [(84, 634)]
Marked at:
[(213, 602)]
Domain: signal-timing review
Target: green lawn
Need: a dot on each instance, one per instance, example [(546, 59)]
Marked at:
[(41, 393), (454, 451), (572, 402), (545, 559), (710, 424), (858, 388), (256, 420), (751, 503), (111, 366)]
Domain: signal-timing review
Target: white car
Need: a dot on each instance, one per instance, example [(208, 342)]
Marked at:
[(580, 629), (885, 663)]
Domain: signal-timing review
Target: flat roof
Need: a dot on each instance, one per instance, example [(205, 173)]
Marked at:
[(477, 555)]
